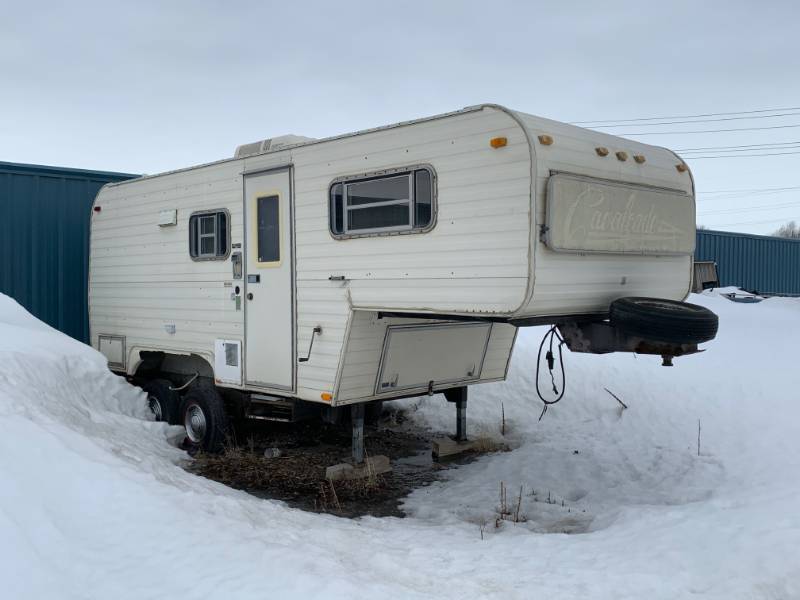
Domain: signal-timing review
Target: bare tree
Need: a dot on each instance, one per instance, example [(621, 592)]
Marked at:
[(789, 230)]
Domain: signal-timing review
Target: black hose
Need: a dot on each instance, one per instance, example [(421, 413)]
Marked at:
[(551, 334)]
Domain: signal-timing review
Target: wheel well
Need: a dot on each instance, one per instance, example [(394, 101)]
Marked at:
[(154, 362)]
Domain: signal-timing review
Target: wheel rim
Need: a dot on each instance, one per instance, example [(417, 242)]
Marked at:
[(195, 422), (155, 407)]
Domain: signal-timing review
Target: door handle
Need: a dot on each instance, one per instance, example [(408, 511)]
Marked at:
[(250, 295)]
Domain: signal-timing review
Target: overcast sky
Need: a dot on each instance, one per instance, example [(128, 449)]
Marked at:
[(144, 87)]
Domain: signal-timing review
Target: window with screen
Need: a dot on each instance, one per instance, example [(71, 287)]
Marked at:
[(396, 201), (208, 235), (268, 225)]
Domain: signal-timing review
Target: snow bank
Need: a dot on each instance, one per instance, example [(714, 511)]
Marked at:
[(94, 503)]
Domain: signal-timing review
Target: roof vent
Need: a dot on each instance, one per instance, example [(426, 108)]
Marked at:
[(270, 145)]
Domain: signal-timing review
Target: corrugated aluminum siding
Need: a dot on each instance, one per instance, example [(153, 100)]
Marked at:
[(44, 240), (768, 265)]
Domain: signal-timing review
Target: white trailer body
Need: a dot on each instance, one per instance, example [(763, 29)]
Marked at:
[(524, 220)]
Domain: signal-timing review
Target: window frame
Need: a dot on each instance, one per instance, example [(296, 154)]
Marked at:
[(409, 172), (198, 235)]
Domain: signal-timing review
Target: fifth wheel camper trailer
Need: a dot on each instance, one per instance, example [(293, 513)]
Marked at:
[(388, 263)]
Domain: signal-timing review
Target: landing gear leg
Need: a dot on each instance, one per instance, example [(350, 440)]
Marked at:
[(357, 417), (459, 397)]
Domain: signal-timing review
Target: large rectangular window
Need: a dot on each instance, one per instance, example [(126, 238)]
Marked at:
[(269, 233), (397, 201), (208, 235)]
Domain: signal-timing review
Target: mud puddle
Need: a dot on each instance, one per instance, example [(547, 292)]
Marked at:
[(297, 475)]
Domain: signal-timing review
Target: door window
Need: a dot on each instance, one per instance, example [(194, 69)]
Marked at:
[(268, 229)]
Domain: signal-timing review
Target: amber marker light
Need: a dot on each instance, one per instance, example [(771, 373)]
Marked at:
[(545, 140), (681, 167), (639, 158), (326, 396), (498, 142), (623, 156), (601, 151)]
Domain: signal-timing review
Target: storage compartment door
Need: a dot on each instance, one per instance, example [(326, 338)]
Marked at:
[(415, 355)]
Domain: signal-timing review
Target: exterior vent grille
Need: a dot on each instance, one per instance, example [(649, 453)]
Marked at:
[(232, 355)]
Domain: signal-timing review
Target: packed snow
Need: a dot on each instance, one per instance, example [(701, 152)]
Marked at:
[(615, 503)]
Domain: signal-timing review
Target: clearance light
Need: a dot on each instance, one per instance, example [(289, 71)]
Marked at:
[(326, 396), (681, 167), (601, 151), (623, 156), (639, 158), (545, 140), (498, 142)]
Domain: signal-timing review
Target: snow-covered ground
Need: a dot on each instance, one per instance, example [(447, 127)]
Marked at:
[(93, 504)]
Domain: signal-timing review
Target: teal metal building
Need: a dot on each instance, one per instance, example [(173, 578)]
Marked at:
[(44, 240), (758, 263)]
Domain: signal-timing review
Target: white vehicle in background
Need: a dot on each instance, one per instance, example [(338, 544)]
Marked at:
[(388, 263)]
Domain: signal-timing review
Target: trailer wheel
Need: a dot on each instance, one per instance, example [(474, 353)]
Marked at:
[(162, 401), (664, 320), (203, 416)]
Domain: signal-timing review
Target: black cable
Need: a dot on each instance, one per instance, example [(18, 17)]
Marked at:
[(551, 334)]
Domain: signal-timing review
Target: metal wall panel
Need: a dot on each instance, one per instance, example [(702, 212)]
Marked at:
[(44, 240), (768, 265)]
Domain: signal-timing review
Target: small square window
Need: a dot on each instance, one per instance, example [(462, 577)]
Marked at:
[(208, 235)]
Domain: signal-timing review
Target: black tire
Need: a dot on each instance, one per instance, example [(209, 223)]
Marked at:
[(203, 416), (664, 320), (163, 402)]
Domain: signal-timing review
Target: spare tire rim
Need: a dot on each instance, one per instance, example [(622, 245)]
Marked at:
[(195, 422), (155, 407)]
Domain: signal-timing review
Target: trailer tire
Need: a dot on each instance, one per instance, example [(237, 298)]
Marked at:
[(163, 402), (664, 320), (203, 416)]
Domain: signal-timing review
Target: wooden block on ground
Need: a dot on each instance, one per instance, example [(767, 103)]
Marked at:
[(445, 446), (374, 465)]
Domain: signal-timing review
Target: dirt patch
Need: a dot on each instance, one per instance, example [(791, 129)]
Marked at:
[(297, 475)]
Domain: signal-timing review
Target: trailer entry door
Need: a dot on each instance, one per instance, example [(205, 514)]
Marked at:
[(269, 340)]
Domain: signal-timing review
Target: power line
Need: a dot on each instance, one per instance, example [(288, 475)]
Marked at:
[(791, 114), (740, 155), (774, 189), (719, 114), (752, 222), (712, 130), (733, 211), (740, 146), (735, 151), (732, 197)]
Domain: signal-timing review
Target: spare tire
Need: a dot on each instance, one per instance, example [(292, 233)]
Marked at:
[(662, 320)]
